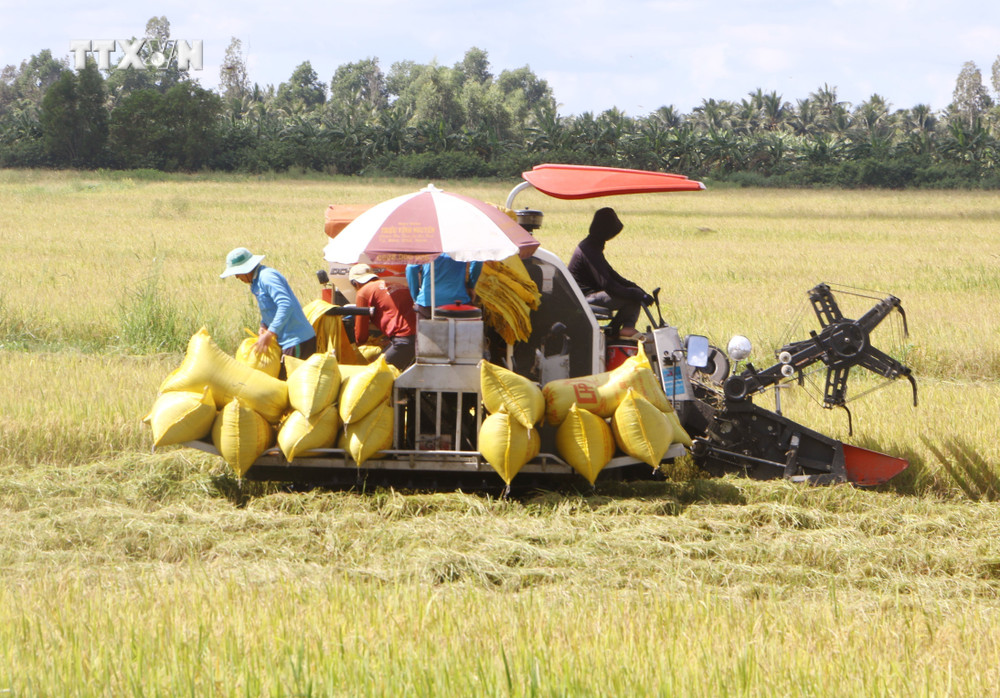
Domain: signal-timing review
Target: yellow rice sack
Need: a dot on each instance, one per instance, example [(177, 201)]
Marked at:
[(369, 352), (331, 335), (680, 435), (299, 433), (366, 389), (205, 365), (370, 434), (240, 434), (291, 365), (507, 445), (586, 442), (641, 430), (349, 371), (601, 393), (505, 391), (314, 384), (182, 416), (269, 362)]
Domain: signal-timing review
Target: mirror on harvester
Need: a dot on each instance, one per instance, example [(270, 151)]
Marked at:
[(697, 350)]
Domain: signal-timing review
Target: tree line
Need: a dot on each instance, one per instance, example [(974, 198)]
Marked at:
[(429, 120)]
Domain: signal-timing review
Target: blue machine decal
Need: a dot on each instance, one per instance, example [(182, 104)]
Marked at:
[(673, 382)]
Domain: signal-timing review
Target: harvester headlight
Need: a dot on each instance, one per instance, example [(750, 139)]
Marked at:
[(739, 348)]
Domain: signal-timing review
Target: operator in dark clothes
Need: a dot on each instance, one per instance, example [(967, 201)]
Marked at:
[(600, 283)]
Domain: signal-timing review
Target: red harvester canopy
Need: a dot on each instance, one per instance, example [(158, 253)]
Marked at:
[(585, 182)]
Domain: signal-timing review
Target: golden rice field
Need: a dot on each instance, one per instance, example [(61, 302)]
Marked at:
[(124, 572)]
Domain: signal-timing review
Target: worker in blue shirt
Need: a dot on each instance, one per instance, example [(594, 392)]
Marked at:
[(453, 283), (281, 315)]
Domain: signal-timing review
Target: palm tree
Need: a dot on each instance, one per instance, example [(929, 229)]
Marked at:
[(747, 116), (804, 120), (872, 132), (613, 125), (769, 154), (724, 151), (820, 148), (832, 114), (918, 125), (642, 148), (774, 110), (684, 150), (972, 143), (547, 131), (669, 117), (712, 114)]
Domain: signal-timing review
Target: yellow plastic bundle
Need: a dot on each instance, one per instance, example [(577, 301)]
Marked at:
[(370, 434), (509, 212), (507, 445), (299, 433), (269, 362), (330, 332), (641, 429), (508, 295), (314, 384), (366, 389), (240, 435), (586, 442), (181, 416), (601, 393), (205, 365), (506, 391)]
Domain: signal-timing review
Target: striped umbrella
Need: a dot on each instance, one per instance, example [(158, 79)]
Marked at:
[(419, 227)]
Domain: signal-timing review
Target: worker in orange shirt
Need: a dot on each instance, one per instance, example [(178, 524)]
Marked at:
[(392, 313)]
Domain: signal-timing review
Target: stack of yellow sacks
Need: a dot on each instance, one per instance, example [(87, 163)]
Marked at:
[(366, 410), (508, 438), (246, 410), (508, 295), (643, 423)]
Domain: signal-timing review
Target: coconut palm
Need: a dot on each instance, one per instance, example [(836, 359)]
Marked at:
[(872, 132), (713, 114), (918, 126), (724, 151), (832, 114), (805, 118), (546, 130), (774, 111), (972, 144)]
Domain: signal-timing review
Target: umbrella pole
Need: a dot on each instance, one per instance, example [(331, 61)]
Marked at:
[(433, 299)]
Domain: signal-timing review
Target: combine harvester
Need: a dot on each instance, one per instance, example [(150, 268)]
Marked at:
[(438, 408)]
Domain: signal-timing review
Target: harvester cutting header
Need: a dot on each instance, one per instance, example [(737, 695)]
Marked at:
[(535, 383)]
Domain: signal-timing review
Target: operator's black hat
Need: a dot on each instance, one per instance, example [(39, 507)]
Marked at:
[(605, 224)]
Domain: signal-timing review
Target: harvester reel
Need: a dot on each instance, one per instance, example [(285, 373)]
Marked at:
[(746, 438), (840, 345)]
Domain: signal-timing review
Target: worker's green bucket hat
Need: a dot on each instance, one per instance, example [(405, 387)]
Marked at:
[(240, 261)]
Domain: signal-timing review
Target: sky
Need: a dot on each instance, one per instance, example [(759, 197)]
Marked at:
[(636, 55)]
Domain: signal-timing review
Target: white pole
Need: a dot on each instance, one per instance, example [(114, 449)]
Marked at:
[(433, 299)]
